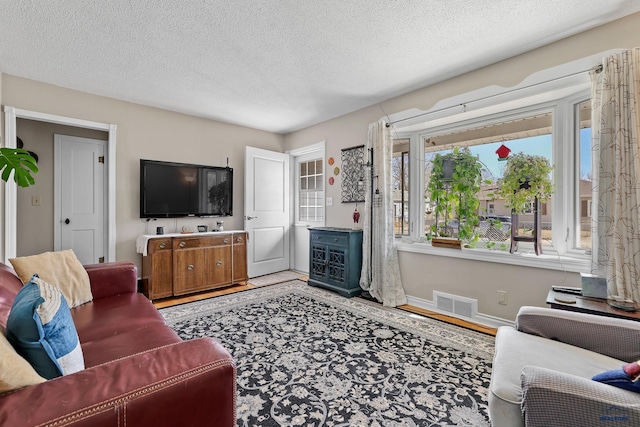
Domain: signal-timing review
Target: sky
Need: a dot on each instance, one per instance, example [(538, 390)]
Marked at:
[(536, 145)]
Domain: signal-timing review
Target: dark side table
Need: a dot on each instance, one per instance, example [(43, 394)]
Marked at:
[(590, 305)]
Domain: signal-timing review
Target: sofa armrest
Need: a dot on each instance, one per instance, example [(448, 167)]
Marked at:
[(112, 278), (617, 338), (191, 383), (552, 398)]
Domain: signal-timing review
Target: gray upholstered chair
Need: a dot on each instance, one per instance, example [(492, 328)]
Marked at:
[(542, 370)]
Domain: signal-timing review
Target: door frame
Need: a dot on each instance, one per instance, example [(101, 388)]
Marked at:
[(317, 147), (11, 188)]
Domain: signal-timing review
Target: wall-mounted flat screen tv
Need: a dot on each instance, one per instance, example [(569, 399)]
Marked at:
[(172, 190)]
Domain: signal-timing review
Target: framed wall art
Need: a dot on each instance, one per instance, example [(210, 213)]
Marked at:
[(353, 174)]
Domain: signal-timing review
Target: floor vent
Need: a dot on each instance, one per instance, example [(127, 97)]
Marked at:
[(456, 305)]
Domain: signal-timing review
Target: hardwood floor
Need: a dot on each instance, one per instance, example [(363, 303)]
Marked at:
[(168, 302), (449, 319)]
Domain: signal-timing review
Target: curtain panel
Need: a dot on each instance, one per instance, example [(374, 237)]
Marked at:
[(615, 98), (380, 270)]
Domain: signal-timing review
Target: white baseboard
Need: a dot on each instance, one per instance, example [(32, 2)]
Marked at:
[(482, 319)]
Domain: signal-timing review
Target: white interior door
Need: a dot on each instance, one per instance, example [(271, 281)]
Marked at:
[(309, 205), (266, 210), (79, 186)]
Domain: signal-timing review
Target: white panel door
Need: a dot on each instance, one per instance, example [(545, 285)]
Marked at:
[(266, 209), (80, 197)]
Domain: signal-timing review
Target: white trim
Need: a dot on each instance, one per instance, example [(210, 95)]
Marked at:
[(318, 147), (482, 319), (10, 199), (545, 260), (555, 78), (111, 193), (10, 190)]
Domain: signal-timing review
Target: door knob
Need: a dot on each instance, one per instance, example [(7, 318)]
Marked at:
[(66, 221), (249, 218)]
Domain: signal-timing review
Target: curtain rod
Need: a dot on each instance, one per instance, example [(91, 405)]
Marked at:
[(596, 69)]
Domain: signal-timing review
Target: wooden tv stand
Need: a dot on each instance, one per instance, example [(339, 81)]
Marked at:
[(180, 264)]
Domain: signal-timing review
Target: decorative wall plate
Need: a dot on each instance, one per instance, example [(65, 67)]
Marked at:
[(330, 161), (336, 170), (331, 180)]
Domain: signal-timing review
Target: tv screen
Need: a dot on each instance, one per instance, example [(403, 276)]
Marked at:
[(170, 190)]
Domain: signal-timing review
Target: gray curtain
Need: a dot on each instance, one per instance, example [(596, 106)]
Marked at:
[(615, 98), (380, 270)]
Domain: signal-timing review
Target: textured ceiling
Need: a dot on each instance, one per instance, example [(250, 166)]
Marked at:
[(276, 65)]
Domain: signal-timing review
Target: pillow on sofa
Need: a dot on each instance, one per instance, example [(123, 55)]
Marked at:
[(61, 269), (627, 377), (15, 372), (41, 330)]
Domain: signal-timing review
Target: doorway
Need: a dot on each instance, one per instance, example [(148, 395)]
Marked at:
[(11, 190), (308, 196)]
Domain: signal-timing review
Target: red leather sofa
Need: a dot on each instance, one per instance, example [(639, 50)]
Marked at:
[(138, 371)]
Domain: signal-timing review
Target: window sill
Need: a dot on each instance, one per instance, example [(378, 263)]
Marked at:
[(549, 259)]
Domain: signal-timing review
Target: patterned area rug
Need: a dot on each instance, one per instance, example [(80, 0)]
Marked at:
[(272, 279), (309, 357)]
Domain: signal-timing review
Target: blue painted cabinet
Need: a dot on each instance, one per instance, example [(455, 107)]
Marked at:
[(335, 259)]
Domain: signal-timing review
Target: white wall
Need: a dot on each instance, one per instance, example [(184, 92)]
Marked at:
[(151, 133), (421, 274)]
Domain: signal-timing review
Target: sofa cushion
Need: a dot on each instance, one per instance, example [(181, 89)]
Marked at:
[(127, 343), (10, 285), (41, 329), (514, 350), (15, 372), (61, 269), (114, 315)]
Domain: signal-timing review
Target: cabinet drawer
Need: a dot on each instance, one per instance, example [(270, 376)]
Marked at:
[(200, 242), (240, 239), (329, 238), (220, 240), (156, 245)]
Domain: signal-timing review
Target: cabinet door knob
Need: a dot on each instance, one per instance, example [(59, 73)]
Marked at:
[(163, 245), (219, 263), (239, 239), (182, 244), (190, 267), (226, 240)]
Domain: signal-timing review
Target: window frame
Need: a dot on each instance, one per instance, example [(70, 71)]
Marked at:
[(563, 104)]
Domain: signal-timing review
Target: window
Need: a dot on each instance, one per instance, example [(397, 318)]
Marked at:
[(545, 129), (311, 191), (529, 134), (584, 161), (400, 171)]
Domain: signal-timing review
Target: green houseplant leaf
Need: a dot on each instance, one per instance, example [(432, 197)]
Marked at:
[(526, 177), (455, 194), (21, 163)]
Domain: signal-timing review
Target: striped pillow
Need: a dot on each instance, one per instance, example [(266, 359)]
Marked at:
[(40, 328)]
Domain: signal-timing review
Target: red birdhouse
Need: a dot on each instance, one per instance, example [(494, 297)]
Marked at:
[(503, 152)]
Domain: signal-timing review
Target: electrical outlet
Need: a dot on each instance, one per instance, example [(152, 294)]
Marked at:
[(35, 200), (329, 201), (502, 297)]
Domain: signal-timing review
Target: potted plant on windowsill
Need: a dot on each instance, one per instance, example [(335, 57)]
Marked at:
[(526, 181), (21, 163), (453, 189)]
